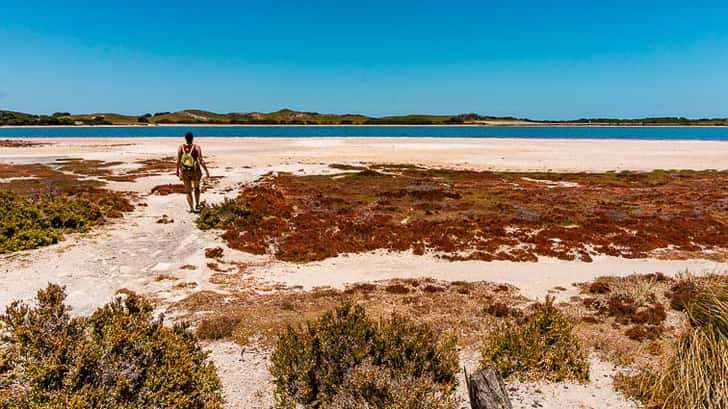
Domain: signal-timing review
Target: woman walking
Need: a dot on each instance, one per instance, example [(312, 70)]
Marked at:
[(189, 169)]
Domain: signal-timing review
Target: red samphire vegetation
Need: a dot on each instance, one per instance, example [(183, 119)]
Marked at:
[(39, 181), (463, 215)]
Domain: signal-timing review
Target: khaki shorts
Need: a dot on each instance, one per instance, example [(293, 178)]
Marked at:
[(191, 178)]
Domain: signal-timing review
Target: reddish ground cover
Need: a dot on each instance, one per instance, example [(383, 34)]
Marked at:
[(164, 190), (43, 182), (116, 171), (19, 143), (179, 188), (479, 215)]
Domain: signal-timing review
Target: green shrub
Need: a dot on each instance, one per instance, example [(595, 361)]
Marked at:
[(310, 363), (369, 386), (119, 357), (544, 346), (227, 213), (27, 223)]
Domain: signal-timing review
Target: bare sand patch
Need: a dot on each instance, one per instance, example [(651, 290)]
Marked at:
[(533, 279)]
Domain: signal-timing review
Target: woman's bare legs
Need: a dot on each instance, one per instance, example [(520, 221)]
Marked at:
[(197, 192), (188, 193)]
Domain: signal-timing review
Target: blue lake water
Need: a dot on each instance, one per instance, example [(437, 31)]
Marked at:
[(550, 132)]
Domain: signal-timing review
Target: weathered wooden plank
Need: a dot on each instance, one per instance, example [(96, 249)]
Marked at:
[(487, 390)]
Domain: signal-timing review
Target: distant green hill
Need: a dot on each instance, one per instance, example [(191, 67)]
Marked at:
[(19, 118), (645, 121), (291, 117)]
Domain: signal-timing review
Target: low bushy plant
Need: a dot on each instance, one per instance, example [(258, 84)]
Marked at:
[(369, 386), (26, 223), (311, 363), (119, 357), (220, 215), (543, 347), (216, 327)]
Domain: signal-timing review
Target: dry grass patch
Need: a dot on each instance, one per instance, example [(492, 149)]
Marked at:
[(633, 305), (263, 317), (625, 320), (706, 304), (200, 302), (231, 279), (693, 372), (217, 327), (610, 340)]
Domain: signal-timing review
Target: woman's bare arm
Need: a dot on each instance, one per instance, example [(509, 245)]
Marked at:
[(179, 159)]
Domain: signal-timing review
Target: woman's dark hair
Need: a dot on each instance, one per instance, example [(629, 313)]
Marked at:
[(189, 137)]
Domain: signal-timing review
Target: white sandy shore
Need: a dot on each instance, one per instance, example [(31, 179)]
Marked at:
[(493, 154), (134, 251)]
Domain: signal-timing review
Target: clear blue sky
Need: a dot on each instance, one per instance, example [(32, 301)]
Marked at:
[(540, 59)]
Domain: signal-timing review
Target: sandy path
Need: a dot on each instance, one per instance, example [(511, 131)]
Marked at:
[(128, 254)]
